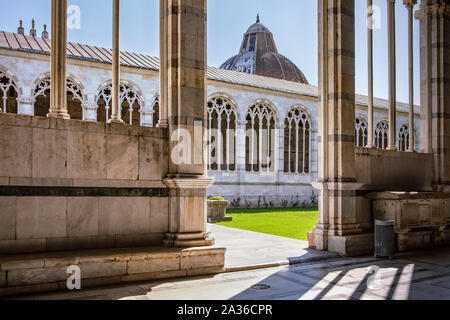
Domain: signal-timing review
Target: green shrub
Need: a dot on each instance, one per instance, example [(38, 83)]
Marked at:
[(218, 198)]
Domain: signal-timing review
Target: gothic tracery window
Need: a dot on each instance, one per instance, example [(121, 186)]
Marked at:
[(9, 93), (381, 135), (361, 132), (130, 104), (403, 138), (297, 138), (222, 119), (41, 97), (260, 138)]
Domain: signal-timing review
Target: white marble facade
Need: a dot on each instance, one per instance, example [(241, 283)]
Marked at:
[(261, 188)]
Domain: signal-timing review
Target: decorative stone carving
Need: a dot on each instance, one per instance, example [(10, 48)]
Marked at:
[(71, 86), (6, 83), (127, 94), (298, 134), (222, 119), (362, 133)]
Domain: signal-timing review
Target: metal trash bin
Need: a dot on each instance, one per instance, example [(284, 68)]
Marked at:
[(384, 238)]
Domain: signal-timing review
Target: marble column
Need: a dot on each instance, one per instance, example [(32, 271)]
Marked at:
[(392, 143), (434, 16), (115, 100), (240, 148), (338, 229), (409, 4), (187, 115), (280, 162), (370, 73), (163, 56), (58, 57)]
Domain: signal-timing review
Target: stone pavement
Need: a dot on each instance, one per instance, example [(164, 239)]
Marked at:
[(247, 249), (418, 275), (314, 275)]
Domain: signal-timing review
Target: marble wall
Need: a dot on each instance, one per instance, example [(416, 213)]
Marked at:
[(68, 184)]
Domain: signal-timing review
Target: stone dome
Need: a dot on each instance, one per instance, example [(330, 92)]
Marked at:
[(259, 55)]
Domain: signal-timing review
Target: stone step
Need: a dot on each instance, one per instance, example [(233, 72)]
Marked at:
[(44, 272)]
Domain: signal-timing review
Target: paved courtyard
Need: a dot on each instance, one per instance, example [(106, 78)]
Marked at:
[(416, 275), (247, 249), (423, 275)]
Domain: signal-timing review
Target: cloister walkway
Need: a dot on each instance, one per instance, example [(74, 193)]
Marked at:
[(251, 250), (419, 275)]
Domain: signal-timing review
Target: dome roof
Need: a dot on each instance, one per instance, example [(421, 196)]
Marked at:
[(259, 55)]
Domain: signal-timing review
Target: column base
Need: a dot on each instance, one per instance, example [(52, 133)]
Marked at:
[(163, 124), (187, 211), (188, 240), (352, 245), (58, 115), (348, 245), (318, 239), (116, 121)]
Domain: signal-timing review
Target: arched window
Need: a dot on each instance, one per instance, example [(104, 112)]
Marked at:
[(260, 138), (381, 135), (403, 138), (222, 134), (42, 99), (9, 93), (361, 133), (130, 104), (297, 136)]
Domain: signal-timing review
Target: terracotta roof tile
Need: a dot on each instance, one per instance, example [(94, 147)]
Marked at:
[(13, 44), (100, 54), (3, 42), (43, 45), (71, 50), (83, 53), (91, 53), (22, 41), (33, 43), (105, 54)]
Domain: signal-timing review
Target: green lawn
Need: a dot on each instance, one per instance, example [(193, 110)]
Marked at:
[(289, 223)]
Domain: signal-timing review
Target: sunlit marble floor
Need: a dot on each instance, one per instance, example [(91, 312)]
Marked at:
[(417, 275)]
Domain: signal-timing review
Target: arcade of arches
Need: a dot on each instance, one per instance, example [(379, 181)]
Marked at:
[(83, 175)]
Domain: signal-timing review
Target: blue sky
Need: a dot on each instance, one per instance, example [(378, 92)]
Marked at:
[(293, 23)]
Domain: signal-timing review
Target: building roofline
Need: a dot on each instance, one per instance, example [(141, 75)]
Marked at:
[(10, 41)]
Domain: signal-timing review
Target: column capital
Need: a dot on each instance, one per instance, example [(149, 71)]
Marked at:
[(242, 122), (434, 9), (89, 105), (188, 182), (409, 4), (25, 99)]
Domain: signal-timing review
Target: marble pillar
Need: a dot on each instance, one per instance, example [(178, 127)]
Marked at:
[(58, 68), (187, 118), (115, 100), (392, 114), (434, 16), (338, 229)]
